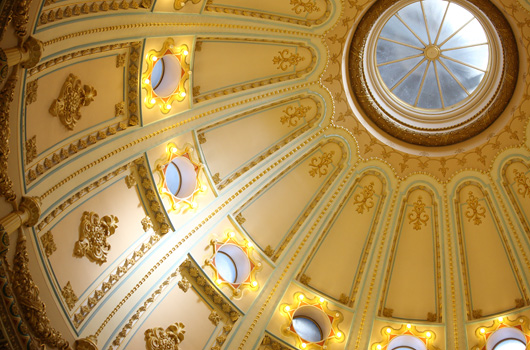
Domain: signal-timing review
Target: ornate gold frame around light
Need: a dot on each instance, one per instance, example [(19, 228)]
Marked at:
[(385, 119), (180, 52), (483, 332), (335, 317), (250, 282), (389, 333), (172, 152)]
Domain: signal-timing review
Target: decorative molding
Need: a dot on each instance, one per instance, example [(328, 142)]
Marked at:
[(287, 59), (179, 4), (222, 338), (71, 11), (240, 219), (270, 343), (365, 200), (69, 295), (119, 109), (72, 97), (474, 209), (147, 224), (216, 178), (48, 243), (201, 138), (88, 343), (477, 313), (269, 251), (432, 317), (292, 115), (31, 149), (20, 17), (168, 339), (130, 181), (427, 336), (285, 18), (523, 182), (214, 318), (484, 331), (120, 60), (184, 284), (387, 312), (418, 216), (93, 233), (6, 98), (31, 91), (300, 6), (197, 89), (344, 299), (305, 279), (32, 307), (319, 165)]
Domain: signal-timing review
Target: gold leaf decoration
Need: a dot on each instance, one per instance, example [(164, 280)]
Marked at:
[(168, 339), (184, 284), (31, 149), (364, 200), (240, 219), (287, 59), (147, 224), (93, 234), (214, 318), (119, 109), (292, 115), (48, 243), (130, 180), (305, 279), (69, 295), (300, 6), (120, 60), (72, 97), (474, 209), (31, 91), (319, 165), (523, 182), (387, 312), (418, 215)]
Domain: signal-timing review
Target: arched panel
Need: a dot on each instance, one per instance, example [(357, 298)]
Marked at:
[(336, 263), (413, 275), (489, 270), (516, 183), (236, 144), (290, 197)]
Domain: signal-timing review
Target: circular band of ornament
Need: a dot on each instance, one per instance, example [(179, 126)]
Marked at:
[(433, 72)]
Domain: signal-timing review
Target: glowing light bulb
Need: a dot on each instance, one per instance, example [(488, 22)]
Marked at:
[(183, 94), (168, 106), (232, 234), (339, 334), (388, 330), (482, 330), (173, 149), (153, 101), (254, 284), (193, 205), (204, 188), (322, 300), (287, 308), (154, 59), (249, 244), (378, 346), (219, 281), (428, 334), (304, 345), (185, 53), (146, 81), (408, 326), (500, 319), (301, 297), (147, 56)]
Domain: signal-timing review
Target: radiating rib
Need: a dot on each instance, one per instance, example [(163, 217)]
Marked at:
[(425, 20), (407, 75), (464, 47), (422, 81), (462, 63), (409, 28), (400, 60), (440, 27), (439, 87), (452, 35), (400, 43), (451, 73)]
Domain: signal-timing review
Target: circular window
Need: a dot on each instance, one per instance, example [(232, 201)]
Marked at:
[(311, 324), (232, 264), (166, 75), (181, 177), (433, 72), (506, 339), (403, 342)]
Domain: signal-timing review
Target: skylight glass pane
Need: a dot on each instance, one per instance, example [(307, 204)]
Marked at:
[(307, 329), (430, 96), (388, 51), (476, 56), (452, 92), (393, 72), (226, 267), (395, 30), (471, 34), (413, 17), (434, 12), (454, 20), (468, 77), (173, 179), (409, 88)]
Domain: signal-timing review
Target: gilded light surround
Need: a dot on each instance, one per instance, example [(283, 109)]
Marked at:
[(389, 333), (335, 318), (483, 332), (431, 127), (179, 94)]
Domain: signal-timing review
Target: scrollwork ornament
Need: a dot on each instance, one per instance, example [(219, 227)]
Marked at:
[(168, 339), (300, 6), (292, 115), (418, 215), (72, 97), (364, 200), (287, 59), (319, 165), (93, 234), (474, 209), (523, 182)]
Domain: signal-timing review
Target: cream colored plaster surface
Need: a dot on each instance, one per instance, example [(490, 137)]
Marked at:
[(230, 145), (412, 287), (276, 7), (115, 200), (109, 87)]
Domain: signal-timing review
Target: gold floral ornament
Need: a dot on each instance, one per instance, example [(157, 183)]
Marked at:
[(242, 268), (315, 310), (287, 59), (418, 216), (168, 71), (427, 337), (308, 6), (180, 181), (364, 200), (474, 209), (73, 96), (483, 332), (93, 234), (319, 165), (168, 339), (292, 115), (523, 182)]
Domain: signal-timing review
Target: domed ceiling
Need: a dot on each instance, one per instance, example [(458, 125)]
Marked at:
[(206, 174)]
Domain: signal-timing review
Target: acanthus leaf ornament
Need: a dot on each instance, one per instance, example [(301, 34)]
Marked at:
[(418, 215), (364, 200), (292, 115), (523, 182), (93, 234), (168, 339), (308, 6), (287, 59), (72, 97), (320, 166), (474, 209)]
